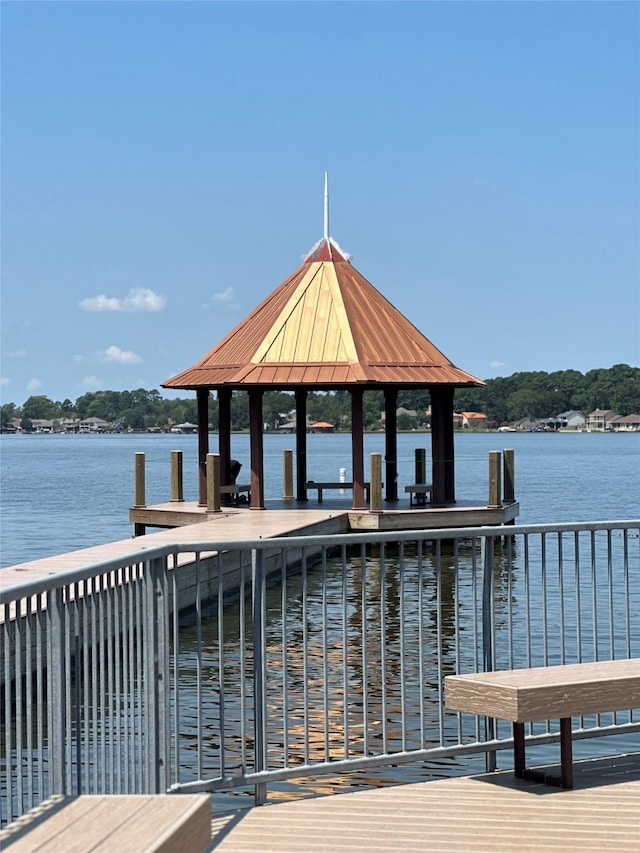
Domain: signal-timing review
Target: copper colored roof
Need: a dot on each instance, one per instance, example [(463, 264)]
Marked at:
[(324, 326)]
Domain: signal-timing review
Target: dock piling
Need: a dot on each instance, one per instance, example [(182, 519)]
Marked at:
[(375, 504), (509, 476), (421, 465), (139, 480), (287, 474), (495, 499), (213, 482), (177, 493)]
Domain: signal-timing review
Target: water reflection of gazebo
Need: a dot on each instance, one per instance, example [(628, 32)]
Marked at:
[(326, 328)]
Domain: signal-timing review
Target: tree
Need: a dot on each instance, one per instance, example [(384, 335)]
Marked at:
[(240, 410), (406, 422), (276, 407), (8, 412), (39, 407)]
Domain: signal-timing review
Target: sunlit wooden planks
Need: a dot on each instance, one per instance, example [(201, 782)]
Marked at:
[(485, 813)]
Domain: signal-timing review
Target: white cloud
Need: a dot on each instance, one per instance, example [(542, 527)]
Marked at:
[(139, 299), (225, 298), (4, 380), (34, 384), (115, 355), (495, 363), (17, 353), (79, 358), (91, 382)]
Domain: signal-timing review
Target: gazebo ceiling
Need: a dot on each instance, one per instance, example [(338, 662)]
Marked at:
[(325, 326)]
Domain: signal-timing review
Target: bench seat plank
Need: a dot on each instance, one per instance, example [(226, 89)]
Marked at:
[(232, 493), (418, 493), (104, 823), (544, 693), (320, 486)]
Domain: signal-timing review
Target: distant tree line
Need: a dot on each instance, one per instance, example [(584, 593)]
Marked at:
[(505, 399)]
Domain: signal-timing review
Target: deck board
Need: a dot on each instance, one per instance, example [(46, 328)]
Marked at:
[(489, 812)]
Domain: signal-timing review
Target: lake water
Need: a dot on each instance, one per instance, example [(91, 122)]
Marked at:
[(61, 493), (64, 492)]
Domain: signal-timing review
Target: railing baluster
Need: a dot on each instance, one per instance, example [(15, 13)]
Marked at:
[(259, 675)]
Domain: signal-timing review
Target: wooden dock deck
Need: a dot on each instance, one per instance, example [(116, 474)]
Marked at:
[(394, 517), (489, 812), (172, 522), (232, 524)]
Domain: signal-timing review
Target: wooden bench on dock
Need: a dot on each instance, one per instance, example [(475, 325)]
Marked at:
[(419, 493), (545, 693), (234, 492), (321, 486), (163, 823)]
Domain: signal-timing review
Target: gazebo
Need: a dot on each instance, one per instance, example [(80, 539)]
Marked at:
[(326, 328)]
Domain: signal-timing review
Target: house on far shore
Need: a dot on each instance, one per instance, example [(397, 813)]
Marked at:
[(600, 420), (626, 423), (185, 428), (571, 420), (322, 426), (474, 420), (94, 425), (57, 425)]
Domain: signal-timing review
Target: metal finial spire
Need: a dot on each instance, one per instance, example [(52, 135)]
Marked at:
[(326, 205), (325, 247)]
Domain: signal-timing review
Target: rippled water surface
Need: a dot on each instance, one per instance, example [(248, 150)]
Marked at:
[(64, 492)]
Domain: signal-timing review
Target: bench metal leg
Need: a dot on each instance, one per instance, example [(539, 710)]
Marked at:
[(566, 753), (565, 780), (518, 749)]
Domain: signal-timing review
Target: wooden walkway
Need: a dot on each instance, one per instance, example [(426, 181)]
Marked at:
[(281, 518), (233, 524), (491, 812)]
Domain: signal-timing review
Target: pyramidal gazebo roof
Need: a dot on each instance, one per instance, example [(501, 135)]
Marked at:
[(324, 326)]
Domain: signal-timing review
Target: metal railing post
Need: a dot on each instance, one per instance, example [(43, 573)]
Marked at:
[(487, 546), (57, 704), (154, 638), (258, 618)]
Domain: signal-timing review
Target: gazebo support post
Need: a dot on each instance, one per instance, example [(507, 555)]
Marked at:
[(391, 444), (256, 427), (202, 398), (301, 444), (442, 450), (224, 434), (357, 448)]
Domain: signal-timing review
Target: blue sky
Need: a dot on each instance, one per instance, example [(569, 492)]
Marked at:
[(163, 169)]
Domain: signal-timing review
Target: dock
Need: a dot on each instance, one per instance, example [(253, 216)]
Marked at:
[(231, 525), (461, 514), (172, 522), (488, 812)]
